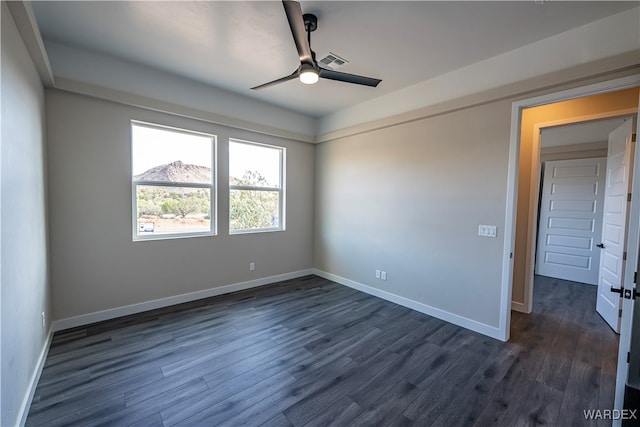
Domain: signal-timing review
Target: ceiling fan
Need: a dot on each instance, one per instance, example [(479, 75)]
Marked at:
[(309, 71)]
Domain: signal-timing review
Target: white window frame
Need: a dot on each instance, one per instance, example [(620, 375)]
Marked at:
[(281, 190), (210, 186)]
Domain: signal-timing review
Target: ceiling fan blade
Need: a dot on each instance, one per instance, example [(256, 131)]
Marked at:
[(277, 81), (299, 32), (348, 78)]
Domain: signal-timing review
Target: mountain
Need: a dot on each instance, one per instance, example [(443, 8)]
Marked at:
[(176, 172), (181, 172)]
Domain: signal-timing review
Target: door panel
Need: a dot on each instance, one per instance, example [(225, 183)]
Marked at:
[(616, 205), (628, 374), (571, 219)]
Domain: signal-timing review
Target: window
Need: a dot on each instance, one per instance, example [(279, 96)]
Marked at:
[(173, 180), (256, 198)]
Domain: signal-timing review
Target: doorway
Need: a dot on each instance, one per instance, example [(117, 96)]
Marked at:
[(571, 200), (523, 184), (535, 119), (583, 207)]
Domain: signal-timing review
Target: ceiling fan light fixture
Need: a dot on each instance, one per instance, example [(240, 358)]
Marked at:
[(308, 74)]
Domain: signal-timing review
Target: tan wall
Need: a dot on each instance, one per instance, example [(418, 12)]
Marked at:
[(408, 199), (573, 110), (96, 266)]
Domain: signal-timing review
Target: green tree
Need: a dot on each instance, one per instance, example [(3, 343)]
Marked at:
[(170, 207), (147, 202), (192, 203), (253, 178), (148, 207), (183, 204), (250, 209)]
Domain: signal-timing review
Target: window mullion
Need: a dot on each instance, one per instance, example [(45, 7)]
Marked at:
[(173, 184), (251, 188)]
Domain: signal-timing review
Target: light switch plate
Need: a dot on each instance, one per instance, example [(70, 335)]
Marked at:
[(488, 231)]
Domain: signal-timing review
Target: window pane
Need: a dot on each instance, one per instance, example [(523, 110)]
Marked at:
[(254, 165), (172, 210), (250, 210), (161, 154)]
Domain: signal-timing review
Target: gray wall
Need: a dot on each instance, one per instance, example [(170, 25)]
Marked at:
[(96, 265), (408, 199), (23, 222)]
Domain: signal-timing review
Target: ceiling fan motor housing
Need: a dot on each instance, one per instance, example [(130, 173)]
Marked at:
[(310, 22)]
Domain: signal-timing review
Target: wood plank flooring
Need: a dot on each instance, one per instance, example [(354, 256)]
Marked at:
[(309, 352)]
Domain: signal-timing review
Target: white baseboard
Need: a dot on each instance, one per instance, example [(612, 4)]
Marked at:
[(89, 318), (464, 322), (518, 306), (33, 382), (99, 316)]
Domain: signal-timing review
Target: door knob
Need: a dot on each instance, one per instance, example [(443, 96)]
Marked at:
[(600, 245)]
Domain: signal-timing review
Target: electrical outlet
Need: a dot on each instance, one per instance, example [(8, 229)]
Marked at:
[(43, 320), (252, 266), (383, 275), (377, 274)]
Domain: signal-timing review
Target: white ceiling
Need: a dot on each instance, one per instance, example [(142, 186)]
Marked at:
[(238, 45), (579, 133)]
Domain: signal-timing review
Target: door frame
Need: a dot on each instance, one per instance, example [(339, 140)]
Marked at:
[(512, 187), (633, 248)]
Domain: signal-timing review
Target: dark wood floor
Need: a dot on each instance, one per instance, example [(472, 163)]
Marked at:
[(311, 352)]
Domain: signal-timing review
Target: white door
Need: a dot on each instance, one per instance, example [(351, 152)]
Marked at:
[(571, 219), (629, 373), (614, 224)]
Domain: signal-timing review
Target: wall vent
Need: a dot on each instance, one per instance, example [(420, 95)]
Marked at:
[(332, 61)]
